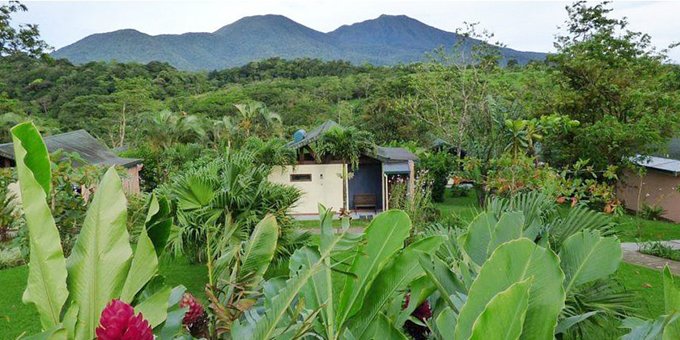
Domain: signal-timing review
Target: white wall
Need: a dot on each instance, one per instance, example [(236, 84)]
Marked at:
[(325, 186)]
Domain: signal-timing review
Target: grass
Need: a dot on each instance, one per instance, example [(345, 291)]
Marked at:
[(314, 224), (646, 284), (632, 228), (17, 318)]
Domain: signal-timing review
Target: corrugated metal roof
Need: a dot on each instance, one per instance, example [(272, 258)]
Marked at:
[(82, 143), (658, 163), (313, 135), (394, 154)]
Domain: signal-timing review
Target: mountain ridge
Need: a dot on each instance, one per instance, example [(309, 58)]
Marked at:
[(385, 40)]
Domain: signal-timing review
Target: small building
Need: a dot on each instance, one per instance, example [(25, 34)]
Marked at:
[(367, 187), (89, 149), (659, 186)]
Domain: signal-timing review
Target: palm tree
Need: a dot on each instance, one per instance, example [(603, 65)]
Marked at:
[(256, 118), (165, 128), (347, 145)]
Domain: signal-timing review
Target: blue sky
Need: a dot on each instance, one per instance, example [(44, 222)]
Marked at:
[(525, 25)]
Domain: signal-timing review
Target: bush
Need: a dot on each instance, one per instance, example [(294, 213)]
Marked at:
[(439, 166), (10, 257), (651, 212), (660, 249)]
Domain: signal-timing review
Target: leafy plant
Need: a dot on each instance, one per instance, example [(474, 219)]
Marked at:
[(660, 249), (506, 238), (70, 293), (228, 196), (651, 212)]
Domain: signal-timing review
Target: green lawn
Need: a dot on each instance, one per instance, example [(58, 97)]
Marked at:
[(16, 317), (632, 228)]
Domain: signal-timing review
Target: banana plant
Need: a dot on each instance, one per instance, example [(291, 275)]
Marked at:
[(485, 279), (344, 287), (70, 293)]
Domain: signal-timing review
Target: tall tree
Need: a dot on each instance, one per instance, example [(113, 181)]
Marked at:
[(613, 83), (24, 39)]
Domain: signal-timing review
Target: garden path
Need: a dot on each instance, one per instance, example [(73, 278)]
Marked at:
[(632, 255)]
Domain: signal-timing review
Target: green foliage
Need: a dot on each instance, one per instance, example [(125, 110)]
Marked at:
[(440, 167), (650, 212), (227, 197), (660, 249), (70, 294), (24, 39)]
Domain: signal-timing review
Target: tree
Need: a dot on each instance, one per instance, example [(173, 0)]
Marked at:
[(614, 84), (346, 144), (24, 39), (256, 119)]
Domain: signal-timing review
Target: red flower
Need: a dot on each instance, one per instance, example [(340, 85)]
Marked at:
[(118, 322), (195, 311)]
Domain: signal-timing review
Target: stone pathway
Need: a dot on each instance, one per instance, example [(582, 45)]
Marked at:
[(632, 255)]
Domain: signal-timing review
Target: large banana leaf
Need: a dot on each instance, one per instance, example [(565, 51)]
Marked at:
[(384, 237), (504, 315), (100, 259), (318, 292), (143, 267), (394, 278), (259, 251), (158, 222), (266, 327), (510, 263), (586, 256), (509, 227), (46, 287), (476, 240)]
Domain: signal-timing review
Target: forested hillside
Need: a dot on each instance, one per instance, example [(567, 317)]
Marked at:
[(386, 40)]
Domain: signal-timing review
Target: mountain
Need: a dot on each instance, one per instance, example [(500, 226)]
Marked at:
[(386, 40)]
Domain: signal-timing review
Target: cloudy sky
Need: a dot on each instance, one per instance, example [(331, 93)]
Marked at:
[(526, 25)]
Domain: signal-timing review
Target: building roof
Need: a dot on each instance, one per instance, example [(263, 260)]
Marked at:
[(658, 163), (384, 154), (81, 142), (313, 135), (388, 154)]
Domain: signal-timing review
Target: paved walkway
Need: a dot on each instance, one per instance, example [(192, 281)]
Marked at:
[(632, 255)]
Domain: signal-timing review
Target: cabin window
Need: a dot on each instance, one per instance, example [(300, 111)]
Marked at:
[(301, 178)]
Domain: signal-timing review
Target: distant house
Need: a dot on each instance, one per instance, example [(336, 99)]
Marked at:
[(89, 149), (658, 187), (321, 182)]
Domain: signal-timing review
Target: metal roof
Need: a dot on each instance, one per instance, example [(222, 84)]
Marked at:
[(387, 154), (81, 142), (313, 135), (658, 163)]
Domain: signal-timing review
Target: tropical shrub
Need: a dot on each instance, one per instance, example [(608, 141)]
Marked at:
[(575, 249), (418, 206), (440, 167), (343, 287), (651, 212), (227, 197), (660, 249), (71, 294)]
